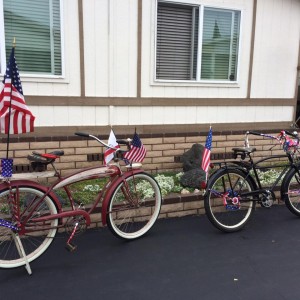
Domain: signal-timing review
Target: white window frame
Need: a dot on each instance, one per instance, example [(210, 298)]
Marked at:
[(198, 81), (3, 58)]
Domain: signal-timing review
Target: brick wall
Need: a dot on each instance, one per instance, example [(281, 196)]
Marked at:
[(163, 152)]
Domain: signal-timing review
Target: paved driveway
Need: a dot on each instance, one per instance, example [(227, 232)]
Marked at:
[(181, 258)]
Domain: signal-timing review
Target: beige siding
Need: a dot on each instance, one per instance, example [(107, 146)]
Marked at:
[(276, 49), (165, 115), (110, 45)]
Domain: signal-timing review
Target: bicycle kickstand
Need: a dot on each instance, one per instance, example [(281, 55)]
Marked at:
[(22, 253), (70, 246)]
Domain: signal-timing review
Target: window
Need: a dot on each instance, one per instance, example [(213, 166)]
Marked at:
[(196, 43), (36, 26)]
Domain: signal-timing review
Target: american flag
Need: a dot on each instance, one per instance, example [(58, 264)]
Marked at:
[(206, 153), (6, 167), (137, 152), (21, 119), (112, 142)]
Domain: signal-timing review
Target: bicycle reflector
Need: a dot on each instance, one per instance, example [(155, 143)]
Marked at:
[(203, 185)]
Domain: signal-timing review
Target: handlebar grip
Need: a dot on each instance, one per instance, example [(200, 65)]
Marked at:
[(254, 133), (82, 134), (291, 134)]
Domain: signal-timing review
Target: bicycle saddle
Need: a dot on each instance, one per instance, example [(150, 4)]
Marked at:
[(45, 158), (242, 151)]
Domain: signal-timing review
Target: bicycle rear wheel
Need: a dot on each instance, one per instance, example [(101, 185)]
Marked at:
[(134, 206), (35, 237), (291, 191), (223, 203)]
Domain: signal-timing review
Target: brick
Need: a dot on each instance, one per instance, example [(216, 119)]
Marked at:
[(262, 142), (87, 150), (21, 161), (218, 138), (81, 165), (44, 145), (183, 146), (172, 152), (172, 165), (64, 166), (239, 137), (153, 141), (73, 158), (73, 144), (154, 154), (162, 159), (173, 140), (182, 213), (193, 205), (17, 146), (195, 139), (226, 144), (163, 147), (171, 207)]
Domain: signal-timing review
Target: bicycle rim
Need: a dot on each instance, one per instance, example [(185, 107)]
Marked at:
[(36, 237), (229, 213), (134, 206), (292, 193)]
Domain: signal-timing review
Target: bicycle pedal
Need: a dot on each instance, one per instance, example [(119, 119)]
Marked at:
[(71, 247)]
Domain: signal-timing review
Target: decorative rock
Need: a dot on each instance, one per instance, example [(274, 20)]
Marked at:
[(184, 192), (192, 158), (193, 178)]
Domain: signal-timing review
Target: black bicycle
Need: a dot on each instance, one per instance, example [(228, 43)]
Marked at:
[(235, 187)]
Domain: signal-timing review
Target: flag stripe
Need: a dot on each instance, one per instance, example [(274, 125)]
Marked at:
[(206, 153), (12, 102)]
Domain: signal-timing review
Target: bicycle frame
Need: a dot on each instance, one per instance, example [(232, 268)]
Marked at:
[(116, 177)]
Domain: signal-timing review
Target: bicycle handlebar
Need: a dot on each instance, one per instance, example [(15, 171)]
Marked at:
[(82, 134), (281, 136), (121, 142)]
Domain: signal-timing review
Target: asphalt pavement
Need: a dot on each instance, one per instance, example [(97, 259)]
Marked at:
[(180, 258)]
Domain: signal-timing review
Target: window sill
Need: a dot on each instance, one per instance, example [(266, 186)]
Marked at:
[(42, 78), (186, 83)]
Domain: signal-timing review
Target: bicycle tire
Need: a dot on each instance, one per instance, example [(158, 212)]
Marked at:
[(131, 216), (35, 237), (227, 216), (291, 191)]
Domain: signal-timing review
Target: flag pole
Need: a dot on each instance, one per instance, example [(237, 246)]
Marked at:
[(9, 109)]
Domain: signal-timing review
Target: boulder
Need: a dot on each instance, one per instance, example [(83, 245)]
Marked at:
[(193, 173)]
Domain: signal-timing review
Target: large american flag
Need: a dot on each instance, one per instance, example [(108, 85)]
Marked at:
[(206, 153), (21, 118), (137, 152)]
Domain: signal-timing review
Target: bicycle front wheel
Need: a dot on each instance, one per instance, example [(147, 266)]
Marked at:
[(134, 206), (224, 204), (291, 191), (35, 237)]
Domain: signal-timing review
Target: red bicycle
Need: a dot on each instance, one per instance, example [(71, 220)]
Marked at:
[(32, 213)]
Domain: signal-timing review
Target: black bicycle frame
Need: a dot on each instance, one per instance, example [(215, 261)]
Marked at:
[(247, 167)]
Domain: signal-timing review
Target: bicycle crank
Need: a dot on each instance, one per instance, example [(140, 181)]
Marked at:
[(268, 199), (74, 226)]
